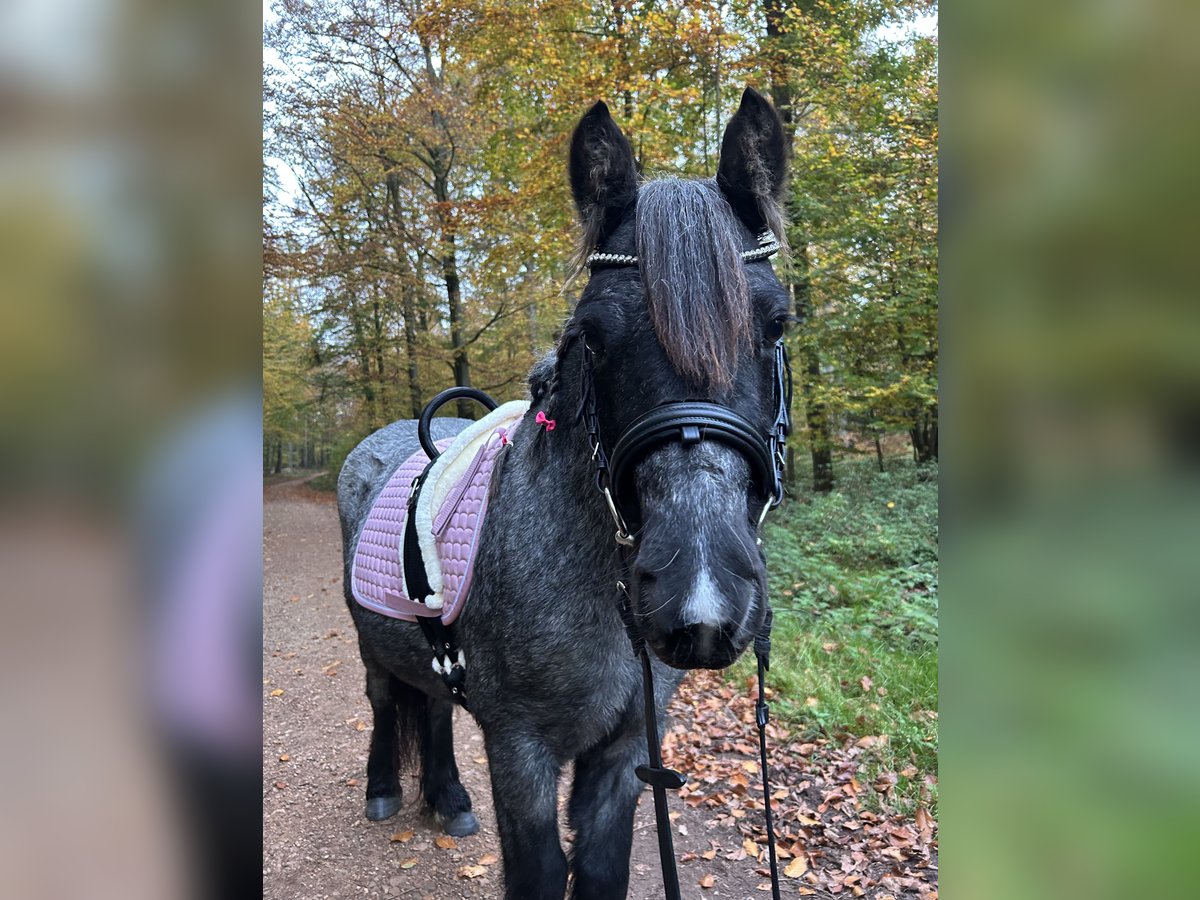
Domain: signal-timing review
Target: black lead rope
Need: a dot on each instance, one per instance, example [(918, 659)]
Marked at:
[(660, 779), (762, 714)]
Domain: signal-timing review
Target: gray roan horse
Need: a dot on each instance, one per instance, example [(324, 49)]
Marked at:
[(551, 677)]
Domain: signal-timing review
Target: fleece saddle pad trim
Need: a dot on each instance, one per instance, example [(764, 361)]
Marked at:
[(449, 517)]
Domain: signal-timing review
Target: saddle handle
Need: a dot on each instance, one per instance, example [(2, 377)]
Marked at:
[(454, 393)]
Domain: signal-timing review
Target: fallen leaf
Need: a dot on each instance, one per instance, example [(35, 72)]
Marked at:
[(866, 683), (796, 867), (471, 871), (871, 740), (925, 824), (278, 692), (283, 757), (401, 836), (446, 842), (352, 782), (710, 853), (409, 863), (280, 785), (707, 881), (489, 859), (750, 847), (360, 725), (481, 759)]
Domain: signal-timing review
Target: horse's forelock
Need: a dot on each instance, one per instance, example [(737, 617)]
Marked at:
[(689, 254)]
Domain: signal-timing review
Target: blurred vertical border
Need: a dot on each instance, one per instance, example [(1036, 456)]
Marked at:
[(1070, 671), (130, 498)]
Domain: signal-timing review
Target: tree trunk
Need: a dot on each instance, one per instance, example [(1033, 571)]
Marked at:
[(462, 364), (408, 304), (377, 348), (924, 434), (879, 451), (820, 443), (278, 457)]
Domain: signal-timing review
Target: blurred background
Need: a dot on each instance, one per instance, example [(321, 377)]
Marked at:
[(1070, 516), (129, 438), (130, 188)]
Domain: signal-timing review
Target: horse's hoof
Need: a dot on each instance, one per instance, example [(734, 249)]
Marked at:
[(461, 825), (380, 808)]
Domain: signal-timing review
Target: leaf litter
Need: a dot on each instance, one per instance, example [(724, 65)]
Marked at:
[(835, 833)]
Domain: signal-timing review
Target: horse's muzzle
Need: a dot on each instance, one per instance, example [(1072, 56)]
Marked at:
[(697, 647)]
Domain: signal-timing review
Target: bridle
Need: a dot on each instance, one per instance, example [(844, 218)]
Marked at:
[(687, 422)]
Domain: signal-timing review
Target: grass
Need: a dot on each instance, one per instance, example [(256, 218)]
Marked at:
[(853, 578)]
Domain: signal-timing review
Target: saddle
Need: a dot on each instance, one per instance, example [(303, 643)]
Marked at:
[(448, 516)]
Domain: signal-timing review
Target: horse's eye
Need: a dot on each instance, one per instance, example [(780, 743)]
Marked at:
[(593, 343), (774, 330)]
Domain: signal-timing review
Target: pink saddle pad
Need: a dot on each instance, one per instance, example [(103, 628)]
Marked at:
[(377, 575)]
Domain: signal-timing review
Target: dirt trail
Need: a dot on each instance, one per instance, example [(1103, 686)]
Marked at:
[(316, 727)]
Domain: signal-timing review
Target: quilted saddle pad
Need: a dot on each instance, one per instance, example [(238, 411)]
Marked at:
[(449, 518)]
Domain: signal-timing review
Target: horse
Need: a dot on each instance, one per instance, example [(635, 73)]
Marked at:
[(679, 308)]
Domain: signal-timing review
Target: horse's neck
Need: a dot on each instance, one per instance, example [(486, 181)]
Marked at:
[(554, 478)]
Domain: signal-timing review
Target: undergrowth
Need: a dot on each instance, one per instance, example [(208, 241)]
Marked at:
[(854, 584)]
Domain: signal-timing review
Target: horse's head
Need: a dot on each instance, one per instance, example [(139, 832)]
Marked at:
[(691, 320)]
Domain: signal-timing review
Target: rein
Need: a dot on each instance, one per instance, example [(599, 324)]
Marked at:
[(688, 422)]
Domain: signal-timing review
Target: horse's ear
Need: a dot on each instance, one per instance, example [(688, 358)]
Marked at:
[(603, 173), (753, 162)]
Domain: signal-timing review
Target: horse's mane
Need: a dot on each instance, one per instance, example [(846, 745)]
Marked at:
[(689, 255)]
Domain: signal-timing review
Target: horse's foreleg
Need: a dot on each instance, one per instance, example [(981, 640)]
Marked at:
[(440, 782), (603, 798), (525, 791), (383, 763)]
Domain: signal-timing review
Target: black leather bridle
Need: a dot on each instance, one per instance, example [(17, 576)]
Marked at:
[(688, 422)]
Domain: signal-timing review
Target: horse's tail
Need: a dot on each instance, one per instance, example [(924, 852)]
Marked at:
[(412, 723)]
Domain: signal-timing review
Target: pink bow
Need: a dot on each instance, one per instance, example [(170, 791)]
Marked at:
[(541, 419)]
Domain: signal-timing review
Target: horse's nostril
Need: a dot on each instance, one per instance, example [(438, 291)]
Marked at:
[(696, 647)]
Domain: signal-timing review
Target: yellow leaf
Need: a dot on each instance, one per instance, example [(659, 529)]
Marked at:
[(401, 837), (283, 757), (796, 867), (488, 859), (707, 881), (750, 847), (278, 692), (471, 871), (446, 842), (409, 863)]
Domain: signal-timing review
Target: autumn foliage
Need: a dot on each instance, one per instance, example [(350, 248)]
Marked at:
[(418, 225)]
